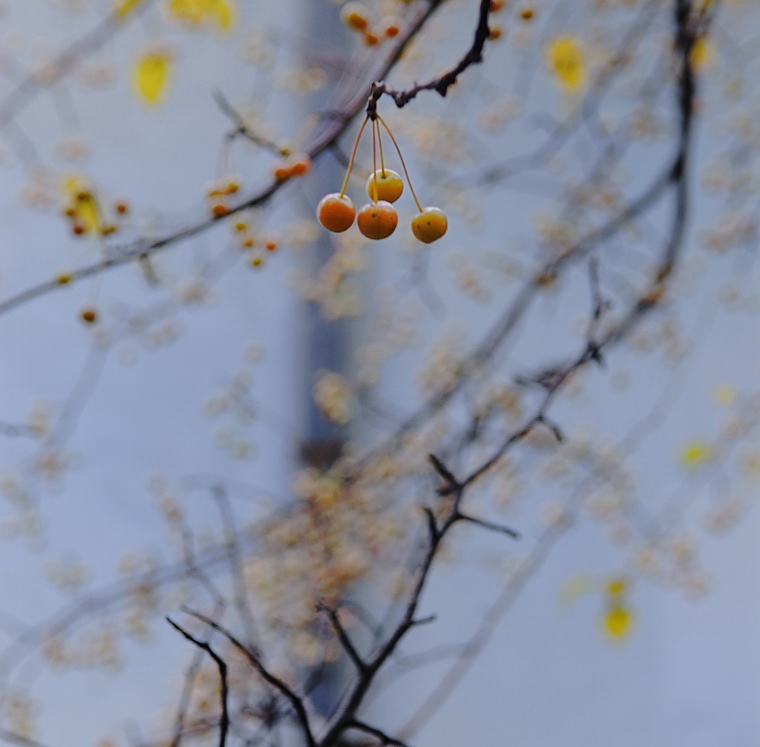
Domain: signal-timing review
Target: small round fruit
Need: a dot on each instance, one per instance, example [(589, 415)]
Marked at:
[(430, 224), (336, 212), (378, 220), (389, 185), (89, 316)]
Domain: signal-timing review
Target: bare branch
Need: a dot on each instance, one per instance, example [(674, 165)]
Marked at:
[(343, 636), (295, 700), (224, 722)]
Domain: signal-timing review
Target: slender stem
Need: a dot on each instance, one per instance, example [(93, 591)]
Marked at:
[(380, 146), (403, 163), (375, 128), (353, 157)]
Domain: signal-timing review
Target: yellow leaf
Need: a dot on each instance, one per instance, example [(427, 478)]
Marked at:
[(125, 7), (565, 60), (192, 12), (617, 622), (81, 200), (701, 54), (151, 77), (617, 586), (695, 454), (224, 13)]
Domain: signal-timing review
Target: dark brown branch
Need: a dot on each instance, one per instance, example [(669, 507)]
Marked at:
[(224, 721), (295, 700), (488, 525), (443, 83), (343, 636), (379, 734)]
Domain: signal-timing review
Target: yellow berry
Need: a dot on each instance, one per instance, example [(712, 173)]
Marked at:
[(336, 212), (63, 279), (378, 220), (430, 224), (389, 185), (527, 14)]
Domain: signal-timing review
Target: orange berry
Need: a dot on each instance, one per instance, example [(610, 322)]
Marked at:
[(248, 243), (78, 229), (527, 14), (300, 164), (219, 209), (271, 245), (336, 212), (390, 27), (70, 212), (231, 187), (378, 220), (495, 34), (371, 39), (282, 171), (89, 316), (355, 16), (389, 185), (497, 5), (122, 208), (430, 224)]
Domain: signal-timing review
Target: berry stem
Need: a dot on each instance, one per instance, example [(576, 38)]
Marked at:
[(353, 157), (403, 163), (380, 146), (375, 132)]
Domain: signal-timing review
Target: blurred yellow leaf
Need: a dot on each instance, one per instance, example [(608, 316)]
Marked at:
[(617, 586), (83, 203), (151, 76), (695, 454), (125, 7), (223, 12), (565, 60), (701, 54), (617, 622), (192, 12)]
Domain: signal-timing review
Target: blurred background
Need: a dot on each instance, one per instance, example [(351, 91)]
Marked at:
[(174, 390)]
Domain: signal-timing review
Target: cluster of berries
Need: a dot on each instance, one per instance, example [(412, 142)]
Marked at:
[(218, 195), (85, 214), (378, 219), (356, 17)]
